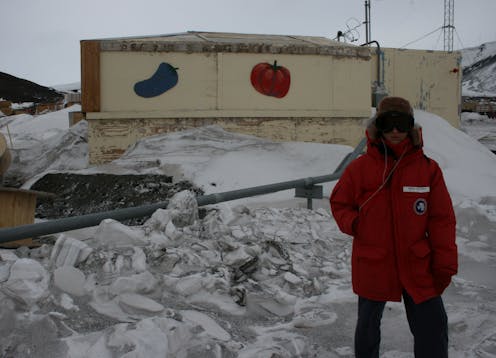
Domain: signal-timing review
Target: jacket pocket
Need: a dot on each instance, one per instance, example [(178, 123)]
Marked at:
[(371, 270), (420, 263)]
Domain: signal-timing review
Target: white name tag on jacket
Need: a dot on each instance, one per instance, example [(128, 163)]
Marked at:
[(416, 189)]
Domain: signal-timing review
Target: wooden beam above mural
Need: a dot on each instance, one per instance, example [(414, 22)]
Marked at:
[(204, 42)]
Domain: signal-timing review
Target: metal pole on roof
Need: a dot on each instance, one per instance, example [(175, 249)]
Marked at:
[(78, 222), (448, 27), (368, 35)]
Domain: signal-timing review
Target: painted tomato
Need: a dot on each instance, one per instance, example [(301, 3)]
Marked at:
[(271, 80)]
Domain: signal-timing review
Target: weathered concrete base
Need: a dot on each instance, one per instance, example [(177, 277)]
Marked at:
[(109, 138)]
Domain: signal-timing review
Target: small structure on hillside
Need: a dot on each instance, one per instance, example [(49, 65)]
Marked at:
[(289, 88), (482, 105)]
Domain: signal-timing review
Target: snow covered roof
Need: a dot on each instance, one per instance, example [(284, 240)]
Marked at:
[(194, 41)]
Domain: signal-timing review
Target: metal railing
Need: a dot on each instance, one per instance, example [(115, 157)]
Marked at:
[(78, 222)]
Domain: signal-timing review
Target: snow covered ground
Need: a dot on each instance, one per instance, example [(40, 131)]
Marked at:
[(481, 128), (258, 277)]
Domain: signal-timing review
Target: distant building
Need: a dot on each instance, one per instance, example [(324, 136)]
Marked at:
[(288, 88), (482, 105)]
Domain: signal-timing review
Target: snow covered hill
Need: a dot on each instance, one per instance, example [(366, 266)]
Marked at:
[(18, 90), (479, 70)]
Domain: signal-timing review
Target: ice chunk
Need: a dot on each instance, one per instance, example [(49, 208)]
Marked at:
[(189, 285), (292, 278), (28, 281), (7, 255), (4, 271), (211, 327), (139, 260), (70, 279), (159, 220), (183, 208), (67, 302), (171, 231), (114, 234), (141, 283), (134, 303), (69, 252), (237, 232), (279, 303), (314, 317), (7, 258), (258, 306), (178, 333), (237, 257), (8, 316), (145, 339)]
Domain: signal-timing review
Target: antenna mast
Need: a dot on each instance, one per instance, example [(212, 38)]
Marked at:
[(448, 27), (367, 21)]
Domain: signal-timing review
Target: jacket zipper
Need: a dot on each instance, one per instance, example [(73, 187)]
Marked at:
[(396, 237)]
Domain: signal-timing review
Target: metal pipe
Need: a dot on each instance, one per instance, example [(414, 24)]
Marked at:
[(77, 222), (380, 80)]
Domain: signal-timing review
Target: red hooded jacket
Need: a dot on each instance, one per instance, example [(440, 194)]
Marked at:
[(400, 215)]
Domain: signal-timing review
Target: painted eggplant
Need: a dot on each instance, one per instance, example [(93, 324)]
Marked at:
[(162, 80)]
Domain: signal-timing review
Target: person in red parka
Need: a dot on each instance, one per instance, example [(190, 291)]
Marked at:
[(394, 202)]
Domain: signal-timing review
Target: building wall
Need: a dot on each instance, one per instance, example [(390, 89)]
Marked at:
[(430, 80), (327, 100), (220, 83)]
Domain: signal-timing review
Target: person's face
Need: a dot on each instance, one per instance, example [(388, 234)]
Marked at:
[(394, 126), (395, 136)]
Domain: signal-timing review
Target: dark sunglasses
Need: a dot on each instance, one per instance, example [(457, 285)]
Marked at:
[(387, 121)]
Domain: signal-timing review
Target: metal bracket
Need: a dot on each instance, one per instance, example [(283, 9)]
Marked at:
[(310, 192)]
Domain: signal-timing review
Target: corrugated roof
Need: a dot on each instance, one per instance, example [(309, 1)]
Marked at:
[(195, 41)]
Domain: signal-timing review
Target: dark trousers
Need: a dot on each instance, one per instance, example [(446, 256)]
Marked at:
[(428, 323)]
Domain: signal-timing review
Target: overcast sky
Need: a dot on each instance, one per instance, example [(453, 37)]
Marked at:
[(40, 38)]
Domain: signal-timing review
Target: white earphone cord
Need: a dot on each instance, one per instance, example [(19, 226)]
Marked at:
[(384, 181)]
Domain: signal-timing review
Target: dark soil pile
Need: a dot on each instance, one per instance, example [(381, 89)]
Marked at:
[(77, 194)]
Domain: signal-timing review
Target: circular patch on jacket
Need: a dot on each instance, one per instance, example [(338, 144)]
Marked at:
[(420, 206)]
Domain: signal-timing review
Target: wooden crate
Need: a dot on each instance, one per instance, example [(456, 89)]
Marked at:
[(17, 207), (5, 156)]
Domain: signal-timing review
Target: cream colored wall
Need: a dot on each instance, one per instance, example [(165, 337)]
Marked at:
[(332, 86), (425, 78), (218, 85), (120, 71)]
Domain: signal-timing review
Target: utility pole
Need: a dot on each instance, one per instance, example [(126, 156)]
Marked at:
[(368, 36), (448, 27)]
